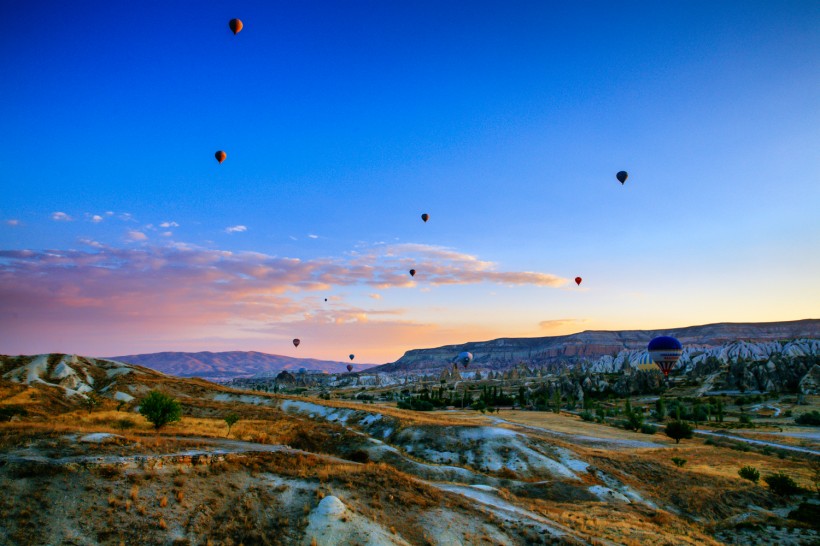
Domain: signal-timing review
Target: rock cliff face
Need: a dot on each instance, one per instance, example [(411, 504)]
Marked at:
[(559, 352)]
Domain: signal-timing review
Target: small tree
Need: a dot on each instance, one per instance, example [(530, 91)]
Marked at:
[(230, 420), (678, 461), (556, 400), (634, 419), (660, 409), (749, 473), (678, 430), (160, 409)]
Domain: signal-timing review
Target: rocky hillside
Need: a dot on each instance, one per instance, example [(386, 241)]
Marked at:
[(230, 364), (560, 351)]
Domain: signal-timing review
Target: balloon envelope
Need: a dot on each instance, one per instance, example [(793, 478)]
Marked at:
[(622, 176), (578, 281), (350, 367), (296, 342), (220, 156), (665, 352), (464, 358), (235, 26), (352, 357), (412, 272), (425, 216)]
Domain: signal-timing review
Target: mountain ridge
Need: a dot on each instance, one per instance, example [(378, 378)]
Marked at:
[(229, 364)]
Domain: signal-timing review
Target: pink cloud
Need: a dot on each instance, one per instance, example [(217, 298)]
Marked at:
[(154, 297)]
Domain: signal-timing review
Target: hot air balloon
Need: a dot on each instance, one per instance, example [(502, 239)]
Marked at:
[(412, 272), (622, 176), (464, 358), (578, 281), (325, 299), (220, 156), (665, 352), (235, 26), (350, 367), (296, 342), (425, 216), (352, 357)]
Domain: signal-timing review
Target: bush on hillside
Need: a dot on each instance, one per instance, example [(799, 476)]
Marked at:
[(160, 409), (749, 473), (781, 484), (809, 418)]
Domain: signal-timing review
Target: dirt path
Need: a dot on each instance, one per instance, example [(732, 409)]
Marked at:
[(758, 442)]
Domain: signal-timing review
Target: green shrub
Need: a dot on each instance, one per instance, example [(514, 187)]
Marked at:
[(646, 428), (745, 419), (587, 415), (160, 409), (781, 484), (678, 461), (678, 430), (749, 473), (809, 418)]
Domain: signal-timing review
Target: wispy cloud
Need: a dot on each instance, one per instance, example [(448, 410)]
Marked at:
[(168, 224), (375, 296), (61, 217), (134, 235), (312, 236), (559, 323), (96, 218), (235, 229), (13, 222)]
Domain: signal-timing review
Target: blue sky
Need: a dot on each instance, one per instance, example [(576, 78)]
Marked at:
[(343, 122)]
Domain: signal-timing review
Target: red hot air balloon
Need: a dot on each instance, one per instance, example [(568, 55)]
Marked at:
[(350, 367), (296, 342), (578, 281), (220, 156), (235, 25), (425, 217), (412, 272)]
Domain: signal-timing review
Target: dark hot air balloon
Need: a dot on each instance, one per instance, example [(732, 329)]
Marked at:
[(464, 358), (425, 216), (220, 156), (350, 367), (665, 352), (296, 342), (412, 272), (235, 26), (622, 176), (578, 280), (352, 357)]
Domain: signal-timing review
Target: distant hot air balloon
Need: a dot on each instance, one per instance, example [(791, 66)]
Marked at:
[(425, 216), (578, 281), (622, 176), (350, 367), (665, 352), (464, 358), (352, 357), (235, 26), (412, 272), (325, 299), (296, 342), (220, 156)]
